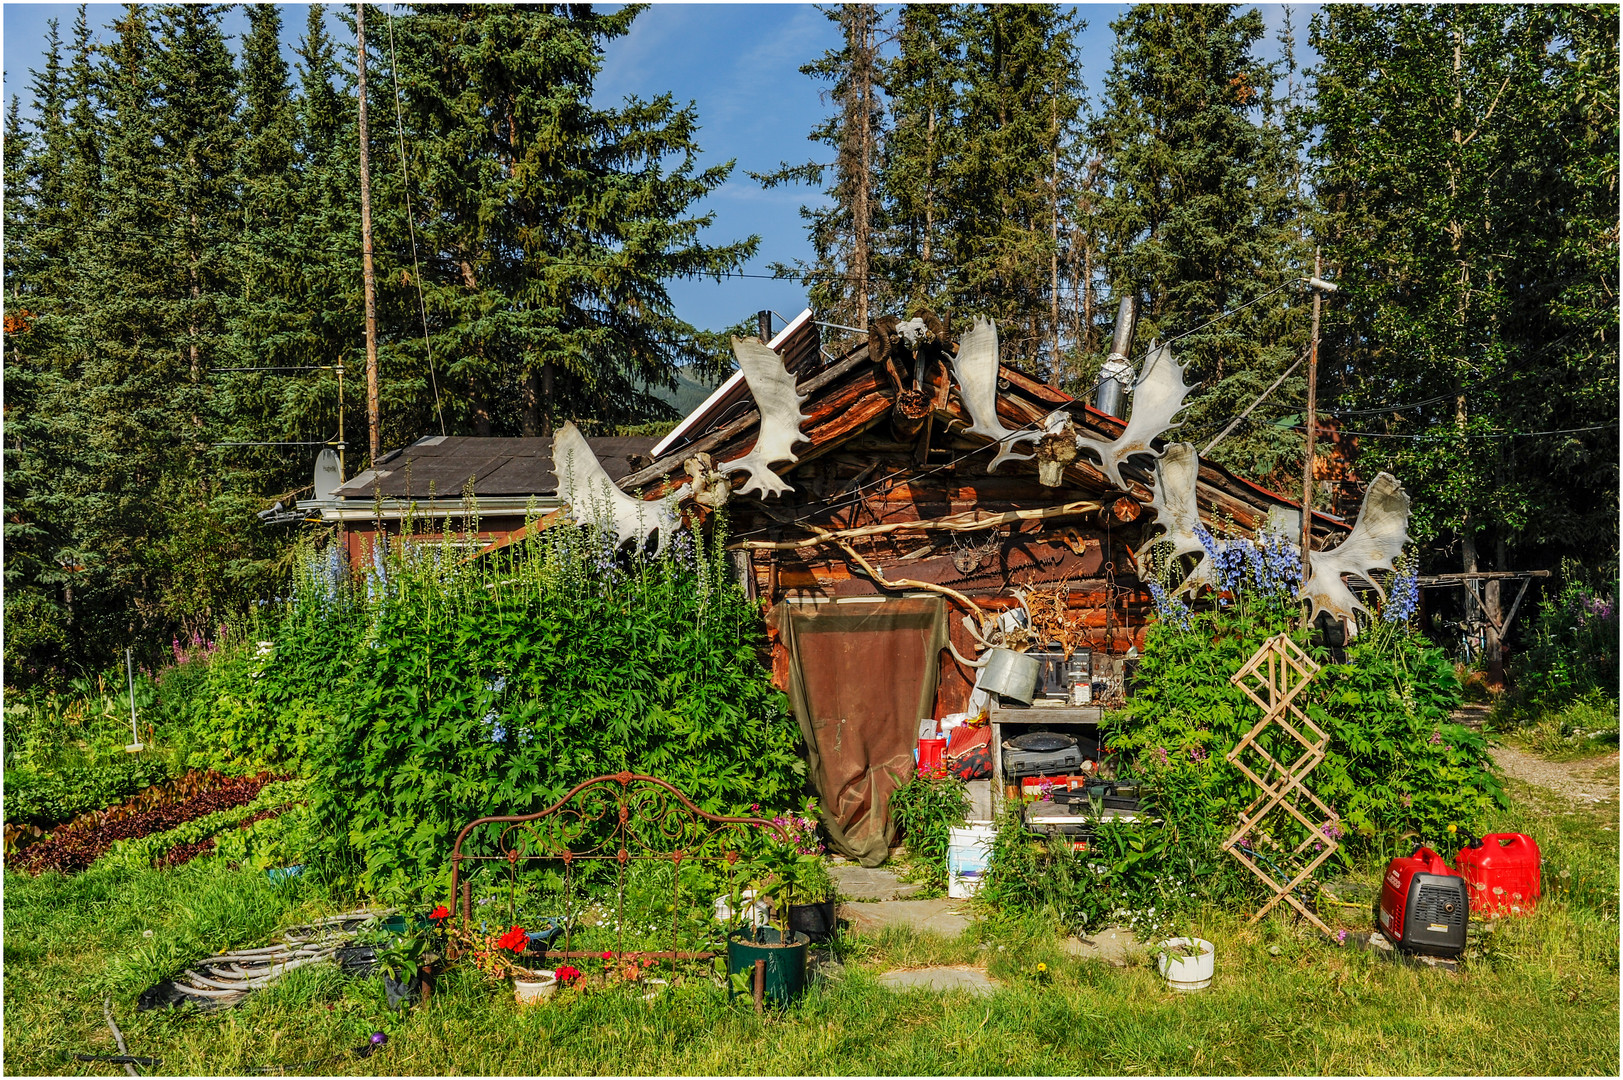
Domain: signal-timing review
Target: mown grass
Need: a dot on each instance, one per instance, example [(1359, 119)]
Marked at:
[(1536, 995)]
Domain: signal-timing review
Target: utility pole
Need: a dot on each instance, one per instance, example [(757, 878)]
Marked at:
[(374, 437), (1320, 287)]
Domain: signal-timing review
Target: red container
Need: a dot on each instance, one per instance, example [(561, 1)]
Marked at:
[(1423, 905), (1501, 873), (932, 753)]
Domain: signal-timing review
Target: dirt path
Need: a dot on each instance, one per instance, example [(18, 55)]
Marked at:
[(1588, 781)]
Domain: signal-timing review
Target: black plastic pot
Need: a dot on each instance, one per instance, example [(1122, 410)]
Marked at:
[(816, 921), (785, 976), (402, 991)]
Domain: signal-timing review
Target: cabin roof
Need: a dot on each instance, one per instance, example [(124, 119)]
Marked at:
[(496, 467)]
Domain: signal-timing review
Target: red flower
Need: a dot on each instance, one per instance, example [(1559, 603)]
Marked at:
[(515, 939), (441, 912), (566, 975), (607, 955)]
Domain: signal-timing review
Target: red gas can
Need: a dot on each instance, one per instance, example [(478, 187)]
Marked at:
[(1501, 873), (931, 754), (1423, 905)]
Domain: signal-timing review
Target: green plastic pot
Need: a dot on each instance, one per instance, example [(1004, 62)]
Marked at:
[(785, 976)]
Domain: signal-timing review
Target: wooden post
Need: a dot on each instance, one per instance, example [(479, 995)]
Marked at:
[(1312, 420), (374, 437), (760, 986)]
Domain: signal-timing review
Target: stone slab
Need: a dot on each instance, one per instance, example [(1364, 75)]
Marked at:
[(949, 918), (1113, 944), (940, 979), (860, 883)]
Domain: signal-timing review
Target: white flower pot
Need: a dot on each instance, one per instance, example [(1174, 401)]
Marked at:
[(1187, 972), (530, 991)]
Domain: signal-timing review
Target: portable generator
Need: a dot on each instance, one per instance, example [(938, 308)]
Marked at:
[(1423, 905)]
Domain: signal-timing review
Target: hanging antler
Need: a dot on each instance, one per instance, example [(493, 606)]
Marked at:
[(1157, 397), (975, 368), (778, 401), (1176, 512), (1375, 543), (586, 487)]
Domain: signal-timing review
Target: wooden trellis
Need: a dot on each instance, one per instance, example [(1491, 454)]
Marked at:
[(1273, 678)]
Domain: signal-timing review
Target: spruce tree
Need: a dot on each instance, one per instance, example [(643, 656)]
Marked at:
[(1198, 219), (1017, 123), (546, 227)]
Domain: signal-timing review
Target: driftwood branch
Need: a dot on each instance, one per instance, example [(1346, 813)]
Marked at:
[(966, 522), (878, 577)]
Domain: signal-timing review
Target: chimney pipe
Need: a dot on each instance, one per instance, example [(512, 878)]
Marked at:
[(1117, 374), (764, 320)]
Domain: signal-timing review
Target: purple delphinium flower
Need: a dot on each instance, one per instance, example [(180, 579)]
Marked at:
[(1168, 609), (1403, 596)]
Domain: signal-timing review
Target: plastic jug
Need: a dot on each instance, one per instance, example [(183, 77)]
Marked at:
[(1501, 873), (931, 754)]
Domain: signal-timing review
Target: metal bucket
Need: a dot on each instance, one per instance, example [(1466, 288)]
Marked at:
[(1011, 674)]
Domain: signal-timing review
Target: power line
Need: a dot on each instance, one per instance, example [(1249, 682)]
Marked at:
[(1468, 434)]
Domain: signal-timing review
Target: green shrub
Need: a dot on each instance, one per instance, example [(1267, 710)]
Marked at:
[(926, 809), (436, 690), (1572, 651)]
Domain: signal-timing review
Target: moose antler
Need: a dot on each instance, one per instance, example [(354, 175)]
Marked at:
[(1157, 397), (778, 401), (975, 367), (1376, 541), (586, 487)]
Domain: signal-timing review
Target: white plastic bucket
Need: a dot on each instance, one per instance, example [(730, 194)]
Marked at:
[(1187, 972), (969, 853)]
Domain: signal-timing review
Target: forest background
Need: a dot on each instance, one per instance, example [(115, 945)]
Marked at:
[(176, 208)]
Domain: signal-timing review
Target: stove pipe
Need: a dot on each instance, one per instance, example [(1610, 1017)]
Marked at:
[(1117, 374)]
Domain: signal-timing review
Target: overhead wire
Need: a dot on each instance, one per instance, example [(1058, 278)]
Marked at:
[(411, 223)]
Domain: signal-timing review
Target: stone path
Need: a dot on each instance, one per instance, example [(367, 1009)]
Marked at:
[(1576, 780), (859, 883), (1114, 945), (970, 980), (949, 918)]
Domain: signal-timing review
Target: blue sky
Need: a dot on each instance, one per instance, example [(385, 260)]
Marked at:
[(739, 62)]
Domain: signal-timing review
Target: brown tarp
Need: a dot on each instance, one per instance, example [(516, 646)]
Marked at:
[(860, 678)]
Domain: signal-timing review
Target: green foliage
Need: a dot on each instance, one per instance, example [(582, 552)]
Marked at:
[(143, 851), (1468, 171), (1200, 215), (437, 691), (174, 217), (925, 809), (1573, 651), (60, 795), (1394, 760)]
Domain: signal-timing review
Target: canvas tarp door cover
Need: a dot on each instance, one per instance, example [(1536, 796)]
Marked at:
[(860, 678)]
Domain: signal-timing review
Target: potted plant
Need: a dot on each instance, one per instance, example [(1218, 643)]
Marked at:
[(781, 950), (401, 963), (1186, 962), (811, 900)]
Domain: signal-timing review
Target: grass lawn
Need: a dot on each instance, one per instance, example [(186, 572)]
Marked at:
[(1536, 996)]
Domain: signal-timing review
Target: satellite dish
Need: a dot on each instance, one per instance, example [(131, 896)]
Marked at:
[(329, 474)]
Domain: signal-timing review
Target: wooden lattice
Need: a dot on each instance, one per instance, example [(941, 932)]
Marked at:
[(1273, 678)]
